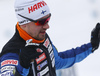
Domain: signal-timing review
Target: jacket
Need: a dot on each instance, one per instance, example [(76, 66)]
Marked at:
[(49, 61)]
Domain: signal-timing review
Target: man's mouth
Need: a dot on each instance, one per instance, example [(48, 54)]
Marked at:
[(42, 32)]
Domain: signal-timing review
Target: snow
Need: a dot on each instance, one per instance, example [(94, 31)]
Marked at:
[(70, 26)]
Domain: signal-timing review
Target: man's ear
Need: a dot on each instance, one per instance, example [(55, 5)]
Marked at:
[(23, 26)]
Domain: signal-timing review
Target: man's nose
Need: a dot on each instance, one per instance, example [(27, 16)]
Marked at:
[(46, 26)]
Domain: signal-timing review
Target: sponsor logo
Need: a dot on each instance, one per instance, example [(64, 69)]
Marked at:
[(36, 6), (46, 43), (7, 73), (20, 9), (49, 48), (53, 62), (38, 74), (23, 21), (41, 58), (51, 55), (14, 62), (41, 65), (7, 68), (52, 58), (41, 73), (39, 50)]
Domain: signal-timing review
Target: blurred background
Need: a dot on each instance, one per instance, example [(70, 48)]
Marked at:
[(70, 26)]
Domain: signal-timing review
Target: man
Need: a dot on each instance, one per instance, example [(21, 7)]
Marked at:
[(30, 51)]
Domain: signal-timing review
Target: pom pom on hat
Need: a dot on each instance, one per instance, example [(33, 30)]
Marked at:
[(33, 9)]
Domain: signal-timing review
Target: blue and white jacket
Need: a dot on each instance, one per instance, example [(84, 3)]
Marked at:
[(46, 64)]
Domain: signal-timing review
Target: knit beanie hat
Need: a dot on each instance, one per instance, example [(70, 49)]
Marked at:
[(33, 9)]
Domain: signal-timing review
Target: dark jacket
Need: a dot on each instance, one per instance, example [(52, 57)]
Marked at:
[(9, 57)]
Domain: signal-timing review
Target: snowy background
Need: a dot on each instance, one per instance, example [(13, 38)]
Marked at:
[(70, 26)]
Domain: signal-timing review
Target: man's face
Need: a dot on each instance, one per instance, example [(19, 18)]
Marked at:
[(37, 31)]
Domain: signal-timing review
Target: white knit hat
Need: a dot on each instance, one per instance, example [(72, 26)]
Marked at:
[(33, 9)]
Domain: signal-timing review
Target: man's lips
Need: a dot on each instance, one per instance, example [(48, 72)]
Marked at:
[(42, 32)]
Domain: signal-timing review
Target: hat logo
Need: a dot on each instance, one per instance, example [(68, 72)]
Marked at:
[(36, 6), (43, 11)]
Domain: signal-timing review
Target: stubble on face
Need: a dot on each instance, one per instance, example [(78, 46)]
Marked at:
[(41, 34), (37, 32)]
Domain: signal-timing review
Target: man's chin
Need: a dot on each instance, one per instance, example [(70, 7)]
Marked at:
[(41, 37)]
